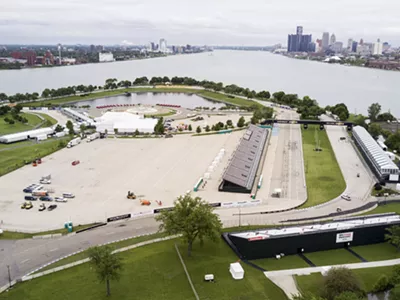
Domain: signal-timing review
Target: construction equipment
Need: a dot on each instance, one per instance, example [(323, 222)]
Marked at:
[(131, 195), (145, 202)]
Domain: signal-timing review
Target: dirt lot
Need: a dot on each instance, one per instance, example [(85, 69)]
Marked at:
[(155, 169)]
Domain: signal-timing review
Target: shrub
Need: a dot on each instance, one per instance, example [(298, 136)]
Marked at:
[(190, 127), (395, 276), (377, 187), (381, 285), (340, 280), (395, 293), (348, 296)]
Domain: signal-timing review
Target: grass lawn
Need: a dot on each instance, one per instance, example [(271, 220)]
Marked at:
[(381, 251), (15, 158), (155, 272), (323, 176), (213, 96), (313, 283), (6, 128), (332, 257), (287, 262), (390, 207), (50, 121)]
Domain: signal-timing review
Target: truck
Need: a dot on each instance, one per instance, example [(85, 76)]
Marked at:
[(39, 193), (93, 136), (60, 134), (74, 142)]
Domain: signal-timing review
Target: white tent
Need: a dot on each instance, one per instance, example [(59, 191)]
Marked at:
[(236, 271)]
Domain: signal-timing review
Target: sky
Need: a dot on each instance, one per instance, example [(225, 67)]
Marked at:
[(201, 22)]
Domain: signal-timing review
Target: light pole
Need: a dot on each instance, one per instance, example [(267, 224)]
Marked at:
[(9, 276), (240, 217)]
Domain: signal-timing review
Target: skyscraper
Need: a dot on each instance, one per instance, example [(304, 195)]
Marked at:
[(354, 47), (377, 48), (163, 45), (299, 42), (349, 44), (325, 40), (333, 39)]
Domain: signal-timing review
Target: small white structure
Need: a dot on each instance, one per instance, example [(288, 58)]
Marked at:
[(236, 271), (25, 135), (209, 277), (124, 122), (391, 155), (106, 57)]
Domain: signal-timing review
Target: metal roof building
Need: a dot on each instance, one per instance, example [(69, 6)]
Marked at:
[(77, 116), (379, 162), (240, 174), (25, 135)]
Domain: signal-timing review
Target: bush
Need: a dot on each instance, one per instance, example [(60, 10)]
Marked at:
[(340, 280), (348, 296), (381, 285), (62, 144), (395, 276), (208, 128), (377, 187), (190, 127), (395, 293)]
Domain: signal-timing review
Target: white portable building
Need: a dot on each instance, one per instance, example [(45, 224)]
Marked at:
[(60, 134), (25, 135), (236, 271), (124, 122), (41, 137)]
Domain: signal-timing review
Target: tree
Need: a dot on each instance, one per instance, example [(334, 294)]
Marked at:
[(359, 120), (278, 96), (3, 97), (159, 128), (348, 296), (375, 130), (116, 130), (254, 120), (193, 218), (45, 93), (241, 122), (373, 111), (207, 128), (395, 293), (136, 132), (198, 129), (229, 123), (190, 127), (381, 285), (108, 266), (395, 275), (393, 236), (82, 128), (70, 127), (59, 128), (387, 116), (340, 280)]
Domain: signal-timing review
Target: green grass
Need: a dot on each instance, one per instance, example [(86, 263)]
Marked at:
[(332, 257), (381, 251), (15, 158), (154, 272), (314, 283), (390, 207), (6, 128), (213, 96), (286, 262), (171, 112), (323, 176), (12, 235), (50, 121)]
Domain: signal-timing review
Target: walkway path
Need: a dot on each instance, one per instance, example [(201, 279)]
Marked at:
[(285, 280)]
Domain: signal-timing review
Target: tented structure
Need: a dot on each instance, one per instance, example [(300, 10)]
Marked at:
[(379, 162), (240, 174), (26, 135), (124, 122)]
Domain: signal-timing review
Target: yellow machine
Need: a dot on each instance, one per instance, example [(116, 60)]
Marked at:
[(131, 195)]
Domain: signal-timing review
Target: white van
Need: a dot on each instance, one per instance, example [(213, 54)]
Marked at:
[(68, 195)]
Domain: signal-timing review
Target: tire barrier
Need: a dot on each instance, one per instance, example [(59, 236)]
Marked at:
[(91, 227), (117, 218), (168, 105)]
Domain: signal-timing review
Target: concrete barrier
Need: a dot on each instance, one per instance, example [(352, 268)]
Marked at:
[(47, 236)]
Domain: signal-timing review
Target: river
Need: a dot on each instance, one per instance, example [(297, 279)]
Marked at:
[(327, 83)]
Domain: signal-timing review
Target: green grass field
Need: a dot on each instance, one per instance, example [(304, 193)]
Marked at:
[(390, 207), (213, 96), (14, 156), (323, 176), (382, 251), (6, 128), (332, 257), (287, 262), (155, 272)]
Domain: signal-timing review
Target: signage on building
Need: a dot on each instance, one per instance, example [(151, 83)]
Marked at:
[(344, 237)]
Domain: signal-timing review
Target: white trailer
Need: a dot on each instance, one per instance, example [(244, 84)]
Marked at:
[(60, 134), (93, 136), (41, 137), (74, 142)]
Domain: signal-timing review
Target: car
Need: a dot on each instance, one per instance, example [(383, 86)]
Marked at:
[(60, 199), (45, 181), (346, 197), (42, 207), (30, 188), (30, 198), (46, 198), (75, 162), (26, 205), (52, 207)]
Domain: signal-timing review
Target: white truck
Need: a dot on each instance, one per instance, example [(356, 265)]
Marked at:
[(74, 142), (93, 136)]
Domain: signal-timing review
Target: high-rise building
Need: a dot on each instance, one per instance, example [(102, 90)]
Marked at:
[(349, 44), (361, 42), (325, 40), (377, 50), (59, 54), (337, 47), (152, 46), (354, 47), (299, 42), (333, 39), (163, 45), (92, 48), (385, 46)]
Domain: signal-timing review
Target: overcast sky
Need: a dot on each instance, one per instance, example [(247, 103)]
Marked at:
[(212, 22)]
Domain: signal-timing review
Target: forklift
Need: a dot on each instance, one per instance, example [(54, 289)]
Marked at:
[(131, 195)]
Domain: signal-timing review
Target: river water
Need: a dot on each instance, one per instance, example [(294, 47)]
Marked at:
[(327, 83)]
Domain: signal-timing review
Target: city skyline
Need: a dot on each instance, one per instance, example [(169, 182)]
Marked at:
[(209, 22)]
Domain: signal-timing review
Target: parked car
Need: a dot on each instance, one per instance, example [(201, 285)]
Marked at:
[(346, 197), (46, 198), (26, 205), (30, 198), (42, 207), (30, 188), (68, 195), (75, 162), (52, 207), (45, 181), (60, 199)]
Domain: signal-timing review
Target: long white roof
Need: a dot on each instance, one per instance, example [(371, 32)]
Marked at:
[(347, 224), (31, 133), (372, 147), (79, 115)]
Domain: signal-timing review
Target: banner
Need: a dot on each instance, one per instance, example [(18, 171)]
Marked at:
[(344, 237), (142, 213), (158, 210), (215, 204), (121, 217)]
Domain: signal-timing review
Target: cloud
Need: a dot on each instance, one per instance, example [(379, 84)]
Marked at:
[(256, 22)]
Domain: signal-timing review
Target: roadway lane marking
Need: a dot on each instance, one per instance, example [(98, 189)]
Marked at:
[(24, 261), (55, 249)]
